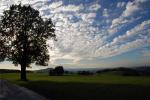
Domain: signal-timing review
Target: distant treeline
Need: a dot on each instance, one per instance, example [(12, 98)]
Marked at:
[(59, 70), (128, 71), (11, 71), (139, 71)]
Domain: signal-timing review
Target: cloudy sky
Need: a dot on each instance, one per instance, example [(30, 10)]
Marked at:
[(95, 33)]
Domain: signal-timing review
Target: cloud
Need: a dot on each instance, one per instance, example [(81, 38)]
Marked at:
[(141, 29), (83, 30), (109, 51), (105, 13), (124, 43), (55, 5), (126, 16), (73, 29), (131, 8), (145, 53), (121, 4), (134, 44), (94, 7), (68, 8)]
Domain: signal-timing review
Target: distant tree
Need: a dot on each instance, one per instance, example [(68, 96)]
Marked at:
[(23, 37), (59, 70)]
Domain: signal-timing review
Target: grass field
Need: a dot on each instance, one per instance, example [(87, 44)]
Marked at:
[(106, 86)]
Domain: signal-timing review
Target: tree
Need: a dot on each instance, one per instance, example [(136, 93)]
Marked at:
[(59, 70), (23, 37)]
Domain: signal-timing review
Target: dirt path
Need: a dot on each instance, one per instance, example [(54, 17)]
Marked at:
[(10, 91)]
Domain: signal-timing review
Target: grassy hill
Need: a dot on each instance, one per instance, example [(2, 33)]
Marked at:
[(135, 71)]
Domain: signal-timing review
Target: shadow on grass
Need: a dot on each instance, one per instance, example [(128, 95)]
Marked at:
[(82, 91)]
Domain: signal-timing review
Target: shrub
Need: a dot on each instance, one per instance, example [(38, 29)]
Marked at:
[(58, 70)]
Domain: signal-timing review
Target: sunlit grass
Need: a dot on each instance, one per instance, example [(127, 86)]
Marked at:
[(107, 78)]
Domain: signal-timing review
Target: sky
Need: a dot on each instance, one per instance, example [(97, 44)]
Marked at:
[(94, 33)]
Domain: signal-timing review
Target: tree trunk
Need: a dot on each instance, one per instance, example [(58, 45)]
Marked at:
[(23, 72), (24, 58)]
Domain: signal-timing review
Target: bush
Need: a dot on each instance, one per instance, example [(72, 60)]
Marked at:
[(58, 70)]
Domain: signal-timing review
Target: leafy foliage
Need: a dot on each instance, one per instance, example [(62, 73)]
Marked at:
[(24, 33)]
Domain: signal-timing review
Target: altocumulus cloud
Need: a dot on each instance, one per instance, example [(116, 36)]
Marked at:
[(88, 30)]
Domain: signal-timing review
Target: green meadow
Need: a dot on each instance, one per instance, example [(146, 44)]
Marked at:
[(107, 86)]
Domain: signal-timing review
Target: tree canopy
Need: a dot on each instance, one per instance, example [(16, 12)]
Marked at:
[(23, 36)]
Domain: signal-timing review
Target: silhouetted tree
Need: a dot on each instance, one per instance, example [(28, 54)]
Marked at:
[(59, 70), (23, 37)]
